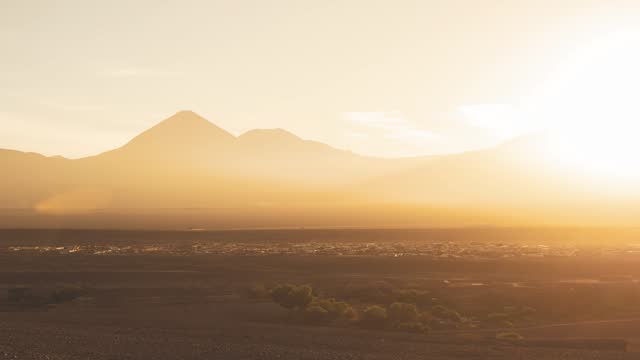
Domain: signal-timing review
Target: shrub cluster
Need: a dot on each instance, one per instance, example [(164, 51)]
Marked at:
[(65, 294), (24, 296), (413, 314), (323, 310), (310, 308), (398, 316), (292, 296), (27, 297), (257, 292), (375, 316)]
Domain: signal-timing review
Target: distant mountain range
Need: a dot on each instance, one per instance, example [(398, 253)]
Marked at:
[(187, 172)]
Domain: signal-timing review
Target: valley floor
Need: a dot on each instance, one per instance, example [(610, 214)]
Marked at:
[(194, 306)]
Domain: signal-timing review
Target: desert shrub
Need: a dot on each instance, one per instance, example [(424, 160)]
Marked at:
[(444, 313), (23, 296), (402, 313), (345, 311), (413, 327), (335, 309), (327, 310), (257, 292), (66, 294), (509, 336), (17, 294), (292, 296), (374, 316)]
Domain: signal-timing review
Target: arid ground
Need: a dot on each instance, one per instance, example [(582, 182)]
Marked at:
[(206, 295)]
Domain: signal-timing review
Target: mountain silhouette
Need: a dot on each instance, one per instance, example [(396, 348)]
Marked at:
[(271, 177), (185, 127), (182, 137)]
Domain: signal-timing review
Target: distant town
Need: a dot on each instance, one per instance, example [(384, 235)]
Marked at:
[(445, 249)]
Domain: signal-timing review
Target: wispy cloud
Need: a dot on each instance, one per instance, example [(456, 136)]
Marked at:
[(377, 119), (393, 124), (413, 135)]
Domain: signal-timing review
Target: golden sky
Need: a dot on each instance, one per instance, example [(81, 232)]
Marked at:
[(384, 78)]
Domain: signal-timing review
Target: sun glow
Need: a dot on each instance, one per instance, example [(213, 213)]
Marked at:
[(591, 105)]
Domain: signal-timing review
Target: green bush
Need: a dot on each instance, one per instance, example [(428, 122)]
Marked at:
[(374, 316), (444, 313), (292, 296), (327, 310), (66, 294), (257, 292), (402, 313), (18, 295), (24, 296), (335, 309)]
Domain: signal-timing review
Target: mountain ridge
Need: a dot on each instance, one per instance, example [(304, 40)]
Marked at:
[(187, 162)]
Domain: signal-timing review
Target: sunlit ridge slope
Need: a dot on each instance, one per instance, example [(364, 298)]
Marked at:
[(274, 178)]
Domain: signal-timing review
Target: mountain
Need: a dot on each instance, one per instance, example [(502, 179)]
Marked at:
[(28, 177), (186, 172), (186, 143), (183, 137), (186, 161), (184, 130)]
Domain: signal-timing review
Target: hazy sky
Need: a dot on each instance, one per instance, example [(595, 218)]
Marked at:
[(386, 78)]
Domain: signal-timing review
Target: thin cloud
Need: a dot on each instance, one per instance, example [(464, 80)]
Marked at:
[(394, 124), (377, 119), (413, 135)]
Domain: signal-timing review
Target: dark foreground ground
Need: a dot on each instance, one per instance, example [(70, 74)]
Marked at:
[(186, 304)]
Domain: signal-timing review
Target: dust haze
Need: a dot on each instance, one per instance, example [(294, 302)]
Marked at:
[(291, 179)]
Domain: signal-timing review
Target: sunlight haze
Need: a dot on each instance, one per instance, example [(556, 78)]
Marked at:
[(416, 78), (320, 179)]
